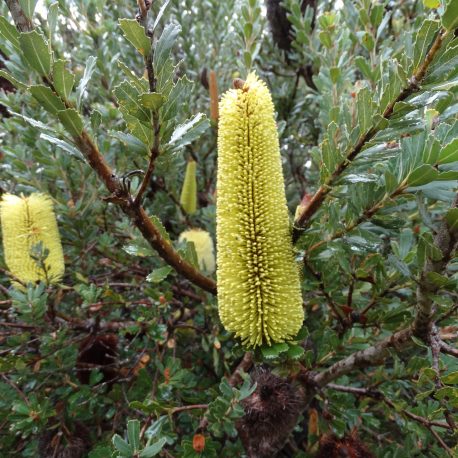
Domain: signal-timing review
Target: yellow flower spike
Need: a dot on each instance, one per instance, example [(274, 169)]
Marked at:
[(188, 198), (203, 244), (259, 296), (27, 221)]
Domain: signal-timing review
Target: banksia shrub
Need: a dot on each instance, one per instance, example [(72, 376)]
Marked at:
[(259, 293), (203, 244), (188, 199), (31, 240)]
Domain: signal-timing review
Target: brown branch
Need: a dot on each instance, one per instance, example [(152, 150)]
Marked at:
[(332, 305), (175, 410), (446, 348), (23, 23), (324, 190), (136, 213)]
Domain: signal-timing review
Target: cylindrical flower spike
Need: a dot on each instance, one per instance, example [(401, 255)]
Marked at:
[(188, 198), (31, 240), (203, 244), (259, 296)]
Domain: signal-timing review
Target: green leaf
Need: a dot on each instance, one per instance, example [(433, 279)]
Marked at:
[(122, 446), (50, 101), (189, 131), (28, 6), (164, 46), (96, 120), (138, 128), (422, 175), (295, 352), (160, 227), (9, 33), (449, 153), (128, 97), (153, 449), (33, 122), (133, 434), (274, 350), (158, 275), (12, 80), (64, 145), (71, 120), (135, 33), (152, 100), (423, 40), (88, 71), (365, 107), (160, 13), (450, 16), (452, 219), (63, 79), (36, 52), (440, 281), (451, 379), (52, 18)]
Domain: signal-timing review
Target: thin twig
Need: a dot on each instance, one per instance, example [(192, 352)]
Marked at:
[(324, 190)]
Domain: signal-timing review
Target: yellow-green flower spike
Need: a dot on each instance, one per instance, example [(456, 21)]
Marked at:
[(26, 222), (203, 244), (188, 199), (259, 296)]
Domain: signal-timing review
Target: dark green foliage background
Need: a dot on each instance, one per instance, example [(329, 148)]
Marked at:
[(364, 249)]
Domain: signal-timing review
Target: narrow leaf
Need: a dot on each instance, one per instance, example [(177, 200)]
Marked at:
[(49, 101), (164, 45), (422, 175), (158, 275), (449, 153), (28, 7), (36, 52), (450, 16), (133, 434), (88, 71), (189, 131), (9, 33), (71, 120), (63, 79), (135, 33), (64, 145), (153, 449)]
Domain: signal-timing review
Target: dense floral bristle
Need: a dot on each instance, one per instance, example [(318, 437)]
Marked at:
[(27, 221), (259, 295), (203, 244), (188, 198)]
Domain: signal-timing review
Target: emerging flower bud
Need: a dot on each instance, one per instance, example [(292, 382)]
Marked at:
[(259, 294), (31, 240), (188, 199)]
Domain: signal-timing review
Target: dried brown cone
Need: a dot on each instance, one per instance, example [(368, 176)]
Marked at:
[(213, 88), (350, 446), (271, 414)]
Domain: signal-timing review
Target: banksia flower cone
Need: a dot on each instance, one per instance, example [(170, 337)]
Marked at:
[(203, 244), (259, 295), (188, 198), (26, 223)]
